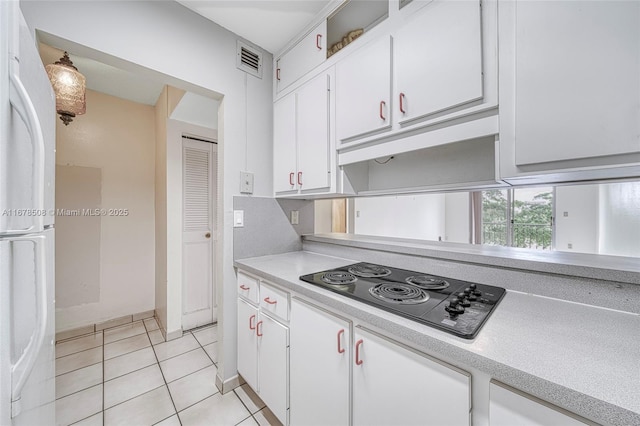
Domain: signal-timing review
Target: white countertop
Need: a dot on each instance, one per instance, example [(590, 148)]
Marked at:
[(580, 357)]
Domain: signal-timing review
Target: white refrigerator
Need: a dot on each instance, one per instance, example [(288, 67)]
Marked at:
[(27, 173)]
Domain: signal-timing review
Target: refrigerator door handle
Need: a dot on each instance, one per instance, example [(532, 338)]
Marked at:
[(23, 105), (21, 370)]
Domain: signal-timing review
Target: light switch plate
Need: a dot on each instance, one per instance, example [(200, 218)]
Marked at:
[(295, 217), (246, 183), (238, 218)]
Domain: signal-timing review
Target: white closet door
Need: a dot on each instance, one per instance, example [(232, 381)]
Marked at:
[(199, 159)]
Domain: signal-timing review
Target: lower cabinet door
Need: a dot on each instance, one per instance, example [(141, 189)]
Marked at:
[(273, 360), (248, 343), (394, 385), (508, 408), (319, 367)]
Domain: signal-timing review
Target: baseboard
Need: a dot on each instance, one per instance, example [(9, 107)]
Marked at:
[(92, 328), (229, 384)]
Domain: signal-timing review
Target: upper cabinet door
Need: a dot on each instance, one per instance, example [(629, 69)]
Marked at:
[(313, 134), (577, 80), (363, 91), (284, 144), (438, 59), (310, 52)]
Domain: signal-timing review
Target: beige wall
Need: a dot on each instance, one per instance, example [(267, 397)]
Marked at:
[(117, 137)]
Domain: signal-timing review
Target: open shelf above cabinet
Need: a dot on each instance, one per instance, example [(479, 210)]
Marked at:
[(469, 164), (351, 18)]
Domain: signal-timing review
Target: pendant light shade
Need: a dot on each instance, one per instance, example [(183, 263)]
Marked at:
[(69, 87)]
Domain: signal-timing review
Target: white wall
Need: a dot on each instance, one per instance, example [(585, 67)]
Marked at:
[(620, 219), (457, 217), (196, 55), (117, 137), (580, 225), (420, 216)]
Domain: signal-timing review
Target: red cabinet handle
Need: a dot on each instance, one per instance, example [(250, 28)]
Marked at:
[(340, 348), (244, 287), (300, 178), (278, 74), (318, 37), (258, 328), (401, 104), (382, 104), (358, 344), (291, 178), (251, 326), (269, 301)]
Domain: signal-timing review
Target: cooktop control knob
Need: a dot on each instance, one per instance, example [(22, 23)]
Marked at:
[(474, 290), (463, 300), (454, 307), (470, 294)]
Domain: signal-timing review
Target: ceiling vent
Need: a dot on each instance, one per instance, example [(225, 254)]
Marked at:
[(249, 59)]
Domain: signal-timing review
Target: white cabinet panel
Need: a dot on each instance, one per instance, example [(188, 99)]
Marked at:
[(273, 361), (363, 91), (248, 287), (284, 144), (274, 301), (425, 392), (320, 367), (507, 408), (577, 80), (303, 57), (438, 59), (247, 343), (313, 134)]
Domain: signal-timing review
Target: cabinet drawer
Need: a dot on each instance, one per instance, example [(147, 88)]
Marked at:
[(248, 287), (274, 301)]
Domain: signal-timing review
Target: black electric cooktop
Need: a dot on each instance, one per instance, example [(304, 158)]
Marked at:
[(458, 307)]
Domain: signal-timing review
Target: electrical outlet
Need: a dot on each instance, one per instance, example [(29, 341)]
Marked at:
[(569, 246), (566, 214), (295, 217), (246, 183)]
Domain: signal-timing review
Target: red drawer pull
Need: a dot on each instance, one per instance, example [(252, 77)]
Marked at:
[(300, 178), (251, 326), (401, 103), (244, 287), (258, 329), (269, 301), (291, 178), (318, 37), (358, 344), (382, 104), (340, 348)]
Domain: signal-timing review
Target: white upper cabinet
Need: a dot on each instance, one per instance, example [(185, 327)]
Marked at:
[(363, 91), (307, 54), (284, 144), (438, 59), (569, 89), (302, 160), (313, 134)]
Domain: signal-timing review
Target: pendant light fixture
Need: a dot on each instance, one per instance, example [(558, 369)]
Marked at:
[(69, 87)]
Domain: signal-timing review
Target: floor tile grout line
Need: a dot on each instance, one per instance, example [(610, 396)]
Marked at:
[(166, 384), (71, 371), (74, 353), (134, 397)]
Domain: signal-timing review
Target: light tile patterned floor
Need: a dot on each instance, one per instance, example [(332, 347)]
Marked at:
[(128, 375)]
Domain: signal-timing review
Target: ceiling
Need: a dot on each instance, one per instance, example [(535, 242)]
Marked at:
[(270, 24)]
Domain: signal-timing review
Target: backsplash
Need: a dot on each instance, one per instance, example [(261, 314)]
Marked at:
[(267, 227)]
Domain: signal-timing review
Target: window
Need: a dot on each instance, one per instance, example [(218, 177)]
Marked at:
[(520, 217)]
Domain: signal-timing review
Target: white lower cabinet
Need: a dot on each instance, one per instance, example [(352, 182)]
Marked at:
[(394, 385), (263, 357), (320, 366), (510, 408)]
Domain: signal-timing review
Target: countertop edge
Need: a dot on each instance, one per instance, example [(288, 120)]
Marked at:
[(570, 399), (598, 267)]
